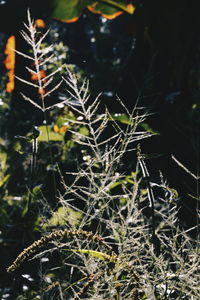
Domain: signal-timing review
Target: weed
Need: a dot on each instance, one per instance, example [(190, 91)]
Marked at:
[(105, 245)]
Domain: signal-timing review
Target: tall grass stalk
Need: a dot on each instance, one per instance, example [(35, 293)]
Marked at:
[(38, 58)]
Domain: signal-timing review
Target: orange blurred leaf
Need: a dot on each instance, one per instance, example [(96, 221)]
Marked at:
[(34, 76), (40, 23), (10, 63), (41, 91), (63, 129), (70, 20), (130, 8), (56, 128), (113, 16), (110, 17)]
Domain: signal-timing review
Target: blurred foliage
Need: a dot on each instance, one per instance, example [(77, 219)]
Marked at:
[(63, 216), (70, 11)]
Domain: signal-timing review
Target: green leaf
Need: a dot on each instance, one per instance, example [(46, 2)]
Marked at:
[(63, 215), (129, 8), (127, 179), (146, 127), (53, 136), (18, 147), (84, 131), (111, 9), (69, 10), (5, 178), (99, 255), (115, 184), (122, 118)]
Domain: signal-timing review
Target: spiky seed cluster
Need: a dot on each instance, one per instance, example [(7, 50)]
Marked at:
[(89, 283), (50, 287), (58, 234), (92, 278), (134, 294)]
